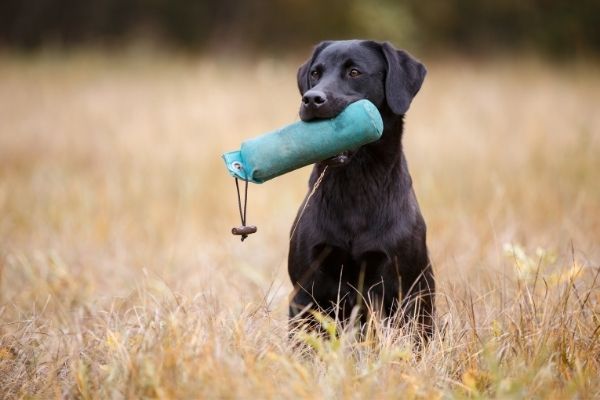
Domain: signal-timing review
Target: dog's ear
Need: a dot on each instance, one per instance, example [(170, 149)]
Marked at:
[(404, 78), (303, 71)]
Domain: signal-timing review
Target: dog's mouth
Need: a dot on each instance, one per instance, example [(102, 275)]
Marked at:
[(340, 160)]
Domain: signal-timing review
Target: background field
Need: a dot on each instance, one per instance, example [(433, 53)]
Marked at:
[(119, 277)]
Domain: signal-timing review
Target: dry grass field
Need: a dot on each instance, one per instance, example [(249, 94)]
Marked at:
[(119, 277)]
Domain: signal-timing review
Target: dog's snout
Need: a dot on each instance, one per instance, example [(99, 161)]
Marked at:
[(314, 98), (320, 104)]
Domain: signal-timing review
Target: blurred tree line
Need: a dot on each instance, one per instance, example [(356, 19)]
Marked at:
[(557, 27)]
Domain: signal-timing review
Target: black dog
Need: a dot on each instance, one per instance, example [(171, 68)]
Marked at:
[(361, 239)]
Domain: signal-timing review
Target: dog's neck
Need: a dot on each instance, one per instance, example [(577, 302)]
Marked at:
[(388, 149), (382, 161)]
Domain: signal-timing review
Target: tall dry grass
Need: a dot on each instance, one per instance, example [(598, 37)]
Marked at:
[(119, 277)]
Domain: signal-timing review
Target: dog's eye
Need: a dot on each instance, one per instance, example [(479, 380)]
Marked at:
[(314, 74), (354, 73)]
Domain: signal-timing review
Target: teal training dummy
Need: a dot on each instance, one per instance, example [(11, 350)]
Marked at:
[(304, 143), (297, 145)]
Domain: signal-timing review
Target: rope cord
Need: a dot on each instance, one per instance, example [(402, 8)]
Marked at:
[(242, 210)]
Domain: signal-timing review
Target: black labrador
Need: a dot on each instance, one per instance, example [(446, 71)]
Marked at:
[(361, 239)]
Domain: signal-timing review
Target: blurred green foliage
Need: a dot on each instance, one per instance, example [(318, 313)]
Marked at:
[(556, 27)]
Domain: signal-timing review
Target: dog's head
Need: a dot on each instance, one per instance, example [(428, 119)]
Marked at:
[(341, 72)]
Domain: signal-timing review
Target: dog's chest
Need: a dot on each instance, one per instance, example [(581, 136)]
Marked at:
[(356, 212)]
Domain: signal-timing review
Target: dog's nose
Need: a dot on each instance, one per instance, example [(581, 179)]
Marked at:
[(314, 98)]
